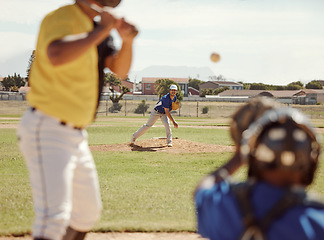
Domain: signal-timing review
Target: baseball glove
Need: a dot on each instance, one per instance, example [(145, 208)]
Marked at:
[(175, 105)]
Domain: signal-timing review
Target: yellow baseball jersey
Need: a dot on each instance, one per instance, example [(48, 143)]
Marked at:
[(68, 92)]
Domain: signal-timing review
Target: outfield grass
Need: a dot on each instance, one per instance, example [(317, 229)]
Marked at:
[(150, 192), (141, 191), (113, 135)]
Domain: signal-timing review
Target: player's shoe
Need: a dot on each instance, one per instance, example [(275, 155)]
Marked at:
[(133, 139), (169, 144)]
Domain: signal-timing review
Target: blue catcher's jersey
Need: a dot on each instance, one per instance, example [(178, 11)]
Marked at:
[(219, 216)]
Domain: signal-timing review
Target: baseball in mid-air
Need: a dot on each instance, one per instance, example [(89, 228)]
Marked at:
[(214, 57)]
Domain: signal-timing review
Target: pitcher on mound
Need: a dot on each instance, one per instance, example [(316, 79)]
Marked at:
[(161, 110)]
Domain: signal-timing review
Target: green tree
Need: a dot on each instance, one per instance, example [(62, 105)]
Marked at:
[(279, 88), (314, 85), (30, 61), (13, 83), (206, 91), (298, 83), (162, 87), (7, 83), (272, 87), (194, 83), (219, 90), (258, 86), (142, 107), (113, 81), (293, 86), (246, 85), (261, 86)]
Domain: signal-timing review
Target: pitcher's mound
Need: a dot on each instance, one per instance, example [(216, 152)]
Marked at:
[(159, 145)]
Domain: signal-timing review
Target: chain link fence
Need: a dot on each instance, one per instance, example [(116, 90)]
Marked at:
[(187, 109), (198, 109)]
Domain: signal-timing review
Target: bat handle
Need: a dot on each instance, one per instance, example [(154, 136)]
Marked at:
[(96, 8)]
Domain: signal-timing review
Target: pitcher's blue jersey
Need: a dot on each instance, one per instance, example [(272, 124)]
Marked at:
[(165, 102)]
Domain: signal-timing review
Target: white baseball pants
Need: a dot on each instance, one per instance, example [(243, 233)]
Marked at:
[(155, 115), (62, 173)]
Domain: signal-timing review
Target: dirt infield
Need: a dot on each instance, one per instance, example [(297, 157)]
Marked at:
[(159, 145), (129, 236)]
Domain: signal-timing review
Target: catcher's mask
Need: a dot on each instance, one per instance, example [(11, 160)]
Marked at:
[(249, 113), (281, 139)]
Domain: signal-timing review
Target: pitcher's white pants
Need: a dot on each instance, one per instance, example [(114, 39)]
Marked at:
[(62, 173), (155, 115)]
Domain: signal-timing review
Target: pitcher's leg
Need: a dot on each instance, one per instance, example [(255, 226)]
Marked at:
[(166, 122), (150, 122)]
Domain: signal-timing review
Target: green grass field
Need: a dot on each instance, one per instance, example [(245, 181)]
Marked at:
[(141, 191)]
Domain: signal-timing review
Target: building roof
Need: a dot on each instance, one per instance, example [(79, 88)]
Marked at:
[(220, 83), (208, 83), (193, 89), (250, 93), (153, 79), (283, 93), (313, 90), (227, 83), (243, 92)]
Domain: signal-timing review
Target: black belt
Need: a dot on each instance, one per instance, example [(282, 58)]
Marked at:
[(158, 111), (33, 109), (65, 124)]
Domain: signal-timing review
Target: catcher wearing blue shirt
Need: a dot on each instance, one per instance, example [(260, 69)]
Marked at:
[(282, 152), (161, 110)]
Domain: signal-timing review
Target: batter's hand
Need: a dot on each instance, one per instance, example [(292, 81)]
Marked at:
[(175, 124), (126, 30), (107, 20)]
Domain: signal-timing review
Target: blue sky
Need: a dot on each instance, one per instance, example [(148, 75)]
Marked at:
[(268, 41)]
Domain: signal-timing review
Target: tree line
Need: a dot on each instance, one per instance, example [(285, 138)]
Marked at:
[(194, 83)]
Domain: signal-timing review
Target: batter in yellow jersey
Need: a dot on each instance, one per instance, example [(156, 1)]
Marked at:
[(65, 81), (68, 91)]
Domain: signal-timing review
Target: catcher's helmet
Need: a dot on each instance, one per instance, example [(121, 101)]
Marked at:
[(281, 139), (249, 113)]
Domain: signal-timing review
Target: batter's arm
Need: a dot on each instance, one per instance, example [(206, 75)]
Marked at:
[(71, 47), (121, 62), (167, 112)]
